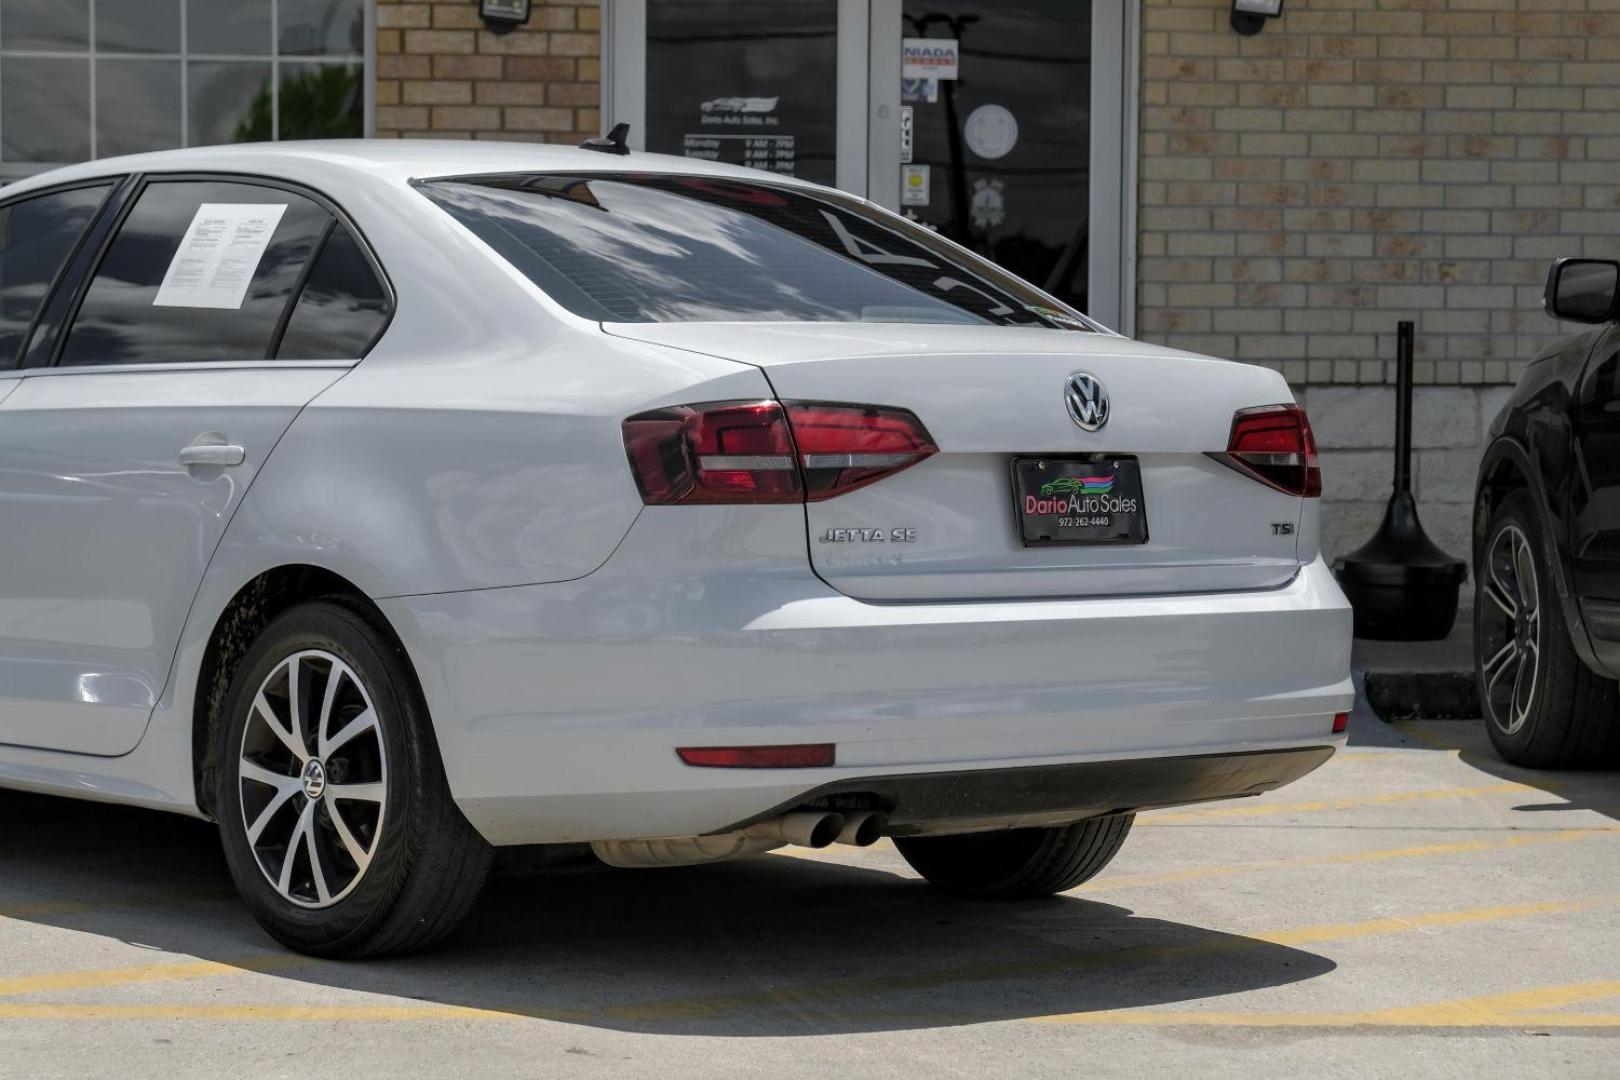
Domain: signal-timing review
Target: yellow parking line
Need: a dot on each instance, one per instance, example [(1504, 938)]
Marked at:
[(1514, 1009), (701, 1007), (148, 973), (1461, 847), (1268, 809)]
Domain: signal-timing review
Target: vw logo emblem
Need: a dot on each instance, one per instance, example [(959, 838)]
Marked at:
[(1088, 401), (314, 779)]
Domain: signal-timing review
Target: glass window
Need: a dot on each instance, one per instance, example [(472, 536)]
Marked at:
[(45, 25), (44, 109), (36, 237), (745, 82), (168, 73), (121, 320), (650, 248), (137, 106), (138, 26), (343, 306), (229, 102), (224, 29), (321, 27), (322, 101)]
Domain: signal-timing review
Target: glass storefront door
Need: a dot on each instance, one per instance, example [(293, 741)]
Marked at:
[(745, 83), (1003, 124), (1001, 149)]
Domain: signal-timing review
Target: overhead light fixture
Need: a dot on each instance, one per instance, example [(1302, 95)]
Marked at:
[(1249, 16), (503, 16)]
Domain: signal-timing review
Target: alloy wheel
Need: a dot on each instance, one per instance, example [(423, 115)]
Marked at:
[(313, 771), (1510, 637)]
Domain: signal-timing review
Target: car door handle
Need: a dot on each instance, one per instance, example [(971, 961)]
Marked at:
[(210, 453)]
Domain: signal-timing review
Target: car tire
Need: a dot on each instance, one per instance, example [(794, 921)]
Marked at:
[(1017, 864), (1544, 708), (382, 862)]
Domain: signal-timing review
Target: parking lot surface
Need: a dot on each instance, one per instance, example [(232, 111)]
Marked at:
[(1414, 908)]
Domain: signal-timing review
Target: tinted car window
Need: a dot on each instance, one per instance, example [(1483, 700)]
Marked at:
[(36, 237), (342, 307), (648, 248), (200, 270)]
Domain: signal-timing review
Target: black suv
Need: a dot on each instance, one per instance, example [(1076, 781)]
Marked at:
[(1547, 540)]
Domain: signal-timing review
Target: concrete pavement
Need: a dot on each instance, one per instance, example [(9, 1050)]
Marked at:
[(1414, 908)]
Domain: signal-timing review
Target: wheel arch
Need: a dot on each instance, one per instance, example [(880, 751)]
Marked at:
[(239, 623), (1508, 467)]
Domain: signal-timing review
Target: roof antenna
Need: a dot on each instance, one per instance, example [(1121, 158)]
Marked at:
[(611, 143)]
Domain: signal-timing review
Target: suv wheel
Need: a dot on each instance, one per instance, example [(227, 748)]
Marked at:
[(1543, 707), (336, 819), (1017, 864)]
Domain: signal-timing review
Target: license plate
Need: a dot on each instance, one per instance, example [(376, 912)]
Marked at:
[(1065, 501)]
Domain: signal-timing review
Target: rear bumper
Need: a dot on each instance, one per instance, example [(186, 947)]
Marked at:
[(558, 707), (918, 803)]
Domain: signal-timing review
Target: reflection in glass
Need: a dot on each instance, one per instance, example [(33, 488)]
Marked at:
[(698, 249), (746, 83), (321, 27), (44, 109), (1026, 207), (51, 25), (142, 26), (137, 106), (322, 101), (118, 323), (228, 29), (342, 308), (36, 236), (222, 94)]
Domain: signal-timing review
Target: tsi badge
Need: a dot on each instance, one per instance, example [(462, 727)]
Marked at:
[(1088, 401)]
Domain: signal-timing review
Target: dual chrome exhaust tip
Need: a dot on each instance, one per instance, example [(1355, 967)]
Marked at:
[(802, 828)]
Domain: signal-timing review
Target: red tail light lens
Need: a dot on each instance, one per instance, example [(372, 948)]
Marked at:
[(1274, 444), (726, 452), (844, 447), (765, 452)]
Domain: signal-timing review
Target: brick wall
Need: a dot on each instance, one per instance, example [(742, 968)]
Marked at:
[(440, 74), (1365, 161)]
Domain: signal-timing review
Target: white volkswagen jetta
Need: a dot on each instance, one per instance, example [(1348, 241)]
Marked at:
[(388, 503)]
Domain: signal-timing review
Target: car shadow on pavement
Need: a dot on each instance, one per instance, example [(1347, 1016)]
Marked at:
[(1597, 790), (774, 945)]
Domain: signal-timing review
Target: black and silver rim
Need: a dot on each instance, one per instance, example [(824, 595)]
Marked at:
[(313, 773), (1510, 630)]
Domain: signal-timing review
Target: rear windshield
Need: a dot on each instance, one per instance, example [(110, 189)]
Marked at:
[(661, 248)]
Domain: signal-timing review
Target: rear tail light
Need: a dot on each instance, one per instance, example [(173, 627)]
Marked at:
[(765, 452), (1274, 444)]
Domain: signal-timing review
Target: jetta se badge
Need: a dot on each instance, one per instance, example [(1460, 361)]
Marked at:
[(1087, 400)]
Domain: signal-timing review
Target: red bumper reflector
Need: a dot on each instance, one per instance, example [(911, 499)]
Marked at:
[(801, 756), (1341, 722)]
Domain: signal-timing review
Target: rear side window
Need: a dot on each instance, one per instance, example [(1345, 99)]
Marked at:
[(200, 270), (343, 305), (658, 248), (36, 237)]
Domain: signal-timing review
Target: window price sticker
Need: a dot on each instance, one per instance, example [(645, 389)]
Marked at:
[(219, 255)]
